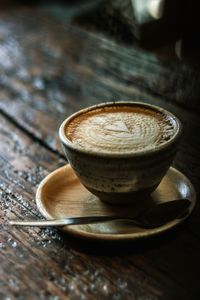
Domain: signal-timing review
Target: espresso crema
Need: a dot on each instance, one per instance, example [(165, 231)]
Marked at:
[(120, 129)]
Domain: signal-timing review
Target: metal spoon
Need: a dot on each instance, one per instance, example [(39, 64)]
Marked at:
[(155, 216)]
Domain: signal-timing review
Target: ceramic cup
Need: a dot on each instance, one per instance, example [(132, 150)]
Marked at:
[(121, 158)]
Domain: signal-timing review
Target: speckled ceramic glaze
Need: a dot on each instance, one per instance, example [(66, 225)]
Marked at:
[(121, 174)]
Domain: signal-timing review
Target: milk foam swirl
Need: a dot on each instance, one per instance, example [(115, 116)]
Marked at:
[(120, 131)]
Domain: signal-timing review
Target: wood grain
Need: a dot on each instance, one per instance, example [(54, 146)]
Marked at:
[(50, 69)]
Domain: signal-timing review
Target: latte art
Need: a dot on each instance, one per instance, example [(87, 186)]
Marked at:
[(120, 129)]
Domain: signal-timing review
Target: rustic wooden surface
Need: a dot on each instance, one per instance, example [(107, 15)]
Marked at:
[(49, 69)]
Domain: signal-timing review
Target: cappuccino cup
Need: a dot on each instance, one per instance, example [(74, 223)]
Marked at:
[(120, 151)]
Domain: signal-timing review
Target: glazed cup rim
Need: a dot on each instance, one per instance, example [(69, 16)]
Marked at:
[(140, 153)]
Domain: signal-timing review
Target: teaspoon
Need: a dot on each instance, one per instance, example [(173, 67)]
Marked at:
[(155, 216)]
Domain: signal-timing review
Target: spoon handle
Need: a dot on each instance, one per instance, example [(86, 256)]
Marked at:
[(64, 221)]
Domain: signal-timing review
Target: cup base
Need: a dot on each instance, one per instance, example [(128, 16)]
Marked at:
[(129, 198)]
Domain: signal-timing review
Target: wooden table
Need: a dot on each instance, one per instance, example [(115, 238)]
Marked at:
[(48, 70)]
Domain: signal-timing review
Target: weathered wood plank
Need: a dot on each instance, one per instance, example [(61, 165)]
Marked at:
[(45, 77)]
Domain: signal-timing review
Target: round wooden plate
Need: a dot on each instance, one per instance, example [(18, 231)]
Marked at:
[(61, 194)]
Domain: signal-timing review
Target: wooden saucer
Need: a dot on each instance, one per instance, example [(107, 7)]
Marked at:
[(61, 194)]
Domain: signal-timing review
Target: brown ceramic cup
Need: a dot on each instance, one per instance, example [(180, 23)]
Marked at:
[(120, 151)]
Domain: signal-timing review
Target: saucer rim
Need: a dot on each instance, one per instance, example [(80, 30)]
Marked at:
[(78, 232)]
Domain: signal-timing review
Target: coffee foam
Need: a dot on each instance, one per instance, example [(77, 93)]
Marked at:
[(120, 129)]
